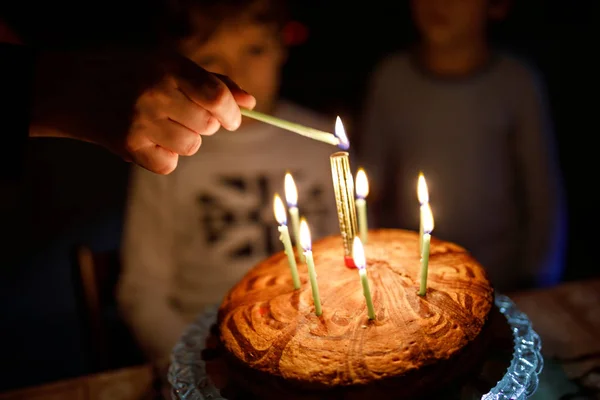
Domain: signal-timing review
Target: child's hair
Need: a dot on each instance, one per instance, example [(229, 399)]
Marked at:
[(203, 17)]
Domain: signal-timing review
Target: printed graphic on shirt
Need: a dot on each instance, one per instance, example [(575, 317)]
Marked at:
[(236, 214)]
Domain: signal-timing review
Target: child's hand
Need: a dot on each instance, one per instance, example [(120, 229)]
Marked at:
[(148, 107)]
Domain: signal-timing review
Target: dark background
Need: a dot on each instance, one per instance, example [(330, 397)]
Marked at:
[(74, 192)]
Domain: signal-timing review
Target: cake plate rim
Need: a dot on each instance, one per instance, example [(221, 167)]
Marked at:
[(189, 380)]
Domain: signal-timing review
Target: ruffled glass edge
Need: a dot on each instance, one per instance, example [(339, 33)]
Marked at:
[(522, 376)]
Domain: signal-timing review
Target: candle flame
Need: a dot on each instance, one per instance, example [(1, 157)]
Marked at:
[(279, 210), (422, 190), (362, 184), (358, 253), (427, 219), (305, 240), (340, 133), (291, 193)]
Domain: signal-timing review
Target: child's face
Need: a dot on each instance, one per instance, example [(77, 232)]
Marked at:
[(450, 22), (249, 53)]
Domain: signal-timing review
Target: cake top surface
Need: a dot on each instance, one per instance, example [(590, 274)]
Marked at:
[(273, 328)]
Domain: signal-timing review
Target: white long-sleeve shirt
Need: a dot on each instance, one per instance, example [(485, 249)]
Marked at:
[(191, 235), (485, 146)]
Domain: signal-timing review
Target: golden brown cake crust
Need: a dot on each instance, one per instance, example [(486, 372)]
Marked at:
[(270, 328)]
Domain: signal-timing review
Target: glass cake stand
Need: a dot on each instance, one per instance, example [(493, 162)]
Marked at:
[(189, 380)]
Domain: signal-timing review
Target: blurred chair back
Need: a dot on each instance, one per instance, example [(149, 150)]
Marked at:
[(109, 342)]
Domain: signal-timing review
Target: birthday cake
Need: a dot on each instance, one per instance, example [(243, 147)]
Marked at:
[(415, 347)]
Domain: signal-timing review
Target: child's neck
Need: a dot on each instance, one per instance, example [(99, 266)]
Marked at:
[(460, 60)]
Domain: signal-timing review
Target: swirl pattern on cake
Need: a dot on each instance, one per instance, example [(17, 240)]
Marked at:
[(270, 330)]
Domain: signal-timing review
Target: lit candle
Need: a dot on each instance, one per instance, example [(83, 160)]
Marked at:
[(296, 128), (362, 191), (291, 197), (423, 196), (427, 228), (310, 263), (284, 236), (358, 253), (343, 185)]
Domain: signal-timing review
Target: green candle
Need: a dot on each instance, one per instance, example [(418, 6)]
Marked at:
[(295, 217), (423, 196), (361, 213), (362, 191), (284, 236), (358, 254), (291, 197), (293, 127), (427, 228), (310, 263), (421, 230)]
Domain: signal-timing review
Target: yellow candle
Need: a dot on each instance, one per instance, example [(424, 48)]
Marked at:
[(423, 196), (284, 236), (312, 274), (291, 197), (343, 185), (358, 253), (362, 191), (427, 228)]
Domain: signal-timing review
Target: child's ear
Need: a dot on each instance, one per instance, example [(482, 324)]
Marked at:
[(498, 9)]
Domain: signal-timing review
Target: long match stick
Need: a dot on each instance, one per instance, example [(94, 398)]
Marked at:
[(293, 127)]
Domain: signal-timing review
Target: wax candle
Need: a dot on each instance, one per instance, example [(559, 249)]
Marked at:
[(423, 196), (310, 263), (362, 191), (291, 197), (427, 228), (284, 236), (312, 133), (343, 185), (358, 253)]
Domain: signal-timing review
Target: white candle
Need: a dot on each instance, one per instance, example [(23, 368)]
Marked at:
[(423, 196), (362, 191), (307, 246), (291, 197), (427, 228), (358, 253), (284, 236)]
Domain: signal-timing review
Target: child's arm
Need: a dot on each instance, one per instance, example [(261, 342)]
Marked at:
[(544, 200), (148, 265)]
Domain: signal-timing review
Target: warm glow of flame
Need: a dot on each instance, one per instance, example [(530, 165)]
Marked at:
[(291, 193), (305, 240), (279, 210), (362, 184), (427, 219), (422, 191), (340, 133), (358, 253)]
